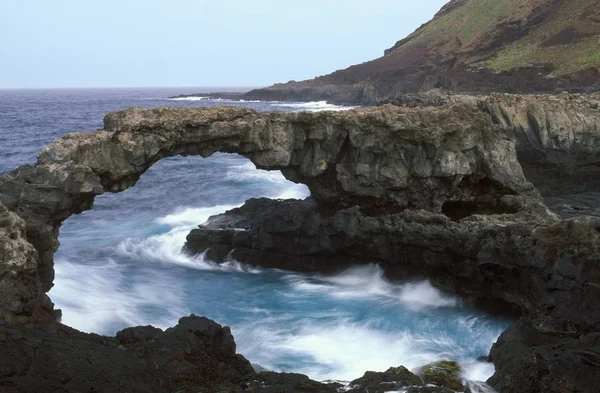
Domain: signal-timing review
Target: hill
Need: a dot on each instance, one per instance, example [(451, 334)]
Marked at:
[(473, 46)]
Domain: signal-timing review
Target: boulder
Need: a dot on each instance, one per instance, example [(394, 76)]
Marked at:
[(444, 373), (394, 379)]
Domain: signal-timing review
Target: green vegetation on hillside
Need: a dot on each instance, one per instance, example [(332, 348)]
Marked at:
[(567, 37)]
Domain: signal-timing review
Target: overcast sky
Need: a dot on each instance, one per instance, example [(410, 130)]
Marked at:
[(136, 43)]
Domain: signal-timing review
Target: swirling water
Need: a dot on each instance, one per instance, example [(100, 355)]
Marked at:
[(120, 264)]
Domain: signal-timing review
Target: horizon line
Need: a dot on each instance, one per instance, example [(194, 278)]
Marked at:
[(130, 87)]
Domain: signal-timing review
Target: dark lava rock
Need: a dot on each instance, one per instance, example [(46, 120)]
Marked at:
[(429, 389), (444, 373), (527, 357), (270, 382), (197, 354), (70, 362), (393, 379)]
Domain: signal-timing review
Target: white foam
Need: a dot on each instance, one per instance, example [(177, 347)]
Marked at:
[(193, 98), (210, 99), (109, 297), (338, 349), (167, 247), (248, 171), (193, 216), (368, 281), (314, 106), (423, 294), (284, 189), (478, 371), (480, 387)]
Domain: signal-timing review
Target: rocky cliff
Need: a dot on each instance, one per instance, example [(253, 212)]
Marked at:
[(556, 136), (435, 190), (474, 46)]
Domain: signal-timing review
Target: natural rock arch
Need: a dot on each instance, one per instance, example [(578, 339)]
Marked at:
[(398, 157)]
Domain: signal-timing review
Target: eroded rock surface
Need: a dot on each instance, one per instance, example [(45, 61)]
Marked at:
[(557, 137)]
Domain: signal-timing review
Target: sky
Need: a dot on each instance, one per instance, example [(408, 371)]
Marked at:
[(236, 43)]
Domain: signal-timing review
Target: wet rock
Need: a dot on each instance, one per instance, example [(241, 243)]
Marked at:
[(394, 379), (429, 389), (444, 373), (270, 382)]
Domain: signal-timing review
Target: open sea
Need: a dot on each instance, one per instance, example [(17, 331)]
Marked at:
[(121, 265)]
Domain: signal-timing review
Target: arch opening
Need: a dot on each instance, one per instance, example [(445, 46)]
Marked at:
[(119, 264)]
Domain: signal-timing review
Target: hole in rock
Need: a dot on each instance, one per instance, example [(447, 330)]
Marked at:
[(457, 210), (483, 199), (121, 265)]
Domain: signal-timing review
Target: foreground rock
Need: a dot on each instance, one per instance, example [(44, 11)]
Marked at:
[(434, 190), (444, 373), (195, 354), (394, 379)]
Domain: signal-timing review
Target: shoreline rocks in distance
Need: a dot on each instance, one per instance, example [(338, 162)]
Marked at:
[(233, 96)]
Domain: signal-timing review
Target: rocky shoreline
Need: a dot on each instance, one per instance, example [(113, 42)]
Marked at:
[(196, 355), (449, 187)]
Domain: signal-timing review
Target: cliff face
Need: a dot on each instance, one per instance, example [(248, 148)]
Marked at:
[(557, 138), (475, 46), (436, 190)]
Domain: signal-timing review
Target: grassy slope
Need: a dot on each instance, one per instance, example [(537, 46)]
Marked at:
[(466, 26), (568, 58)]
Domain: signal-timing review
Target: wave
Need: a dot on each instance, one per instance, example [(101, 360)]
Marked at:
[(335, 350), (370, 324), (167, 247), (314, 106), (335, 347), (212, 99), (248, 172), (111, 300), (193, 216), (475, 374), (369, 281), (194, 98)]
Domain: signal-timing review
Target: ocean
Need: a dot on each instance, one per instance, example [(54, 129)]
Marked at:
[(121, 264)]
